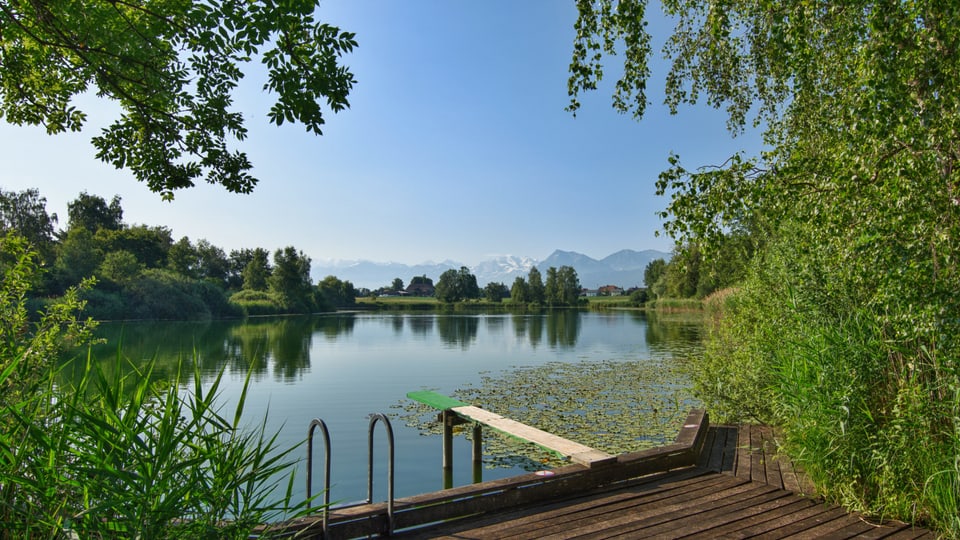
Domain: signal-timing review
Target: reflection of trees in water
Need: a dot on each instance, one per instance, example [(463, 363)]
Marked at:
[(530, 326), (495, 324), (171, 346), (290, 347), (420, 325), (333, 326), (397, 324), (457, 330), (673, 331), (563, 327), (257, 344)]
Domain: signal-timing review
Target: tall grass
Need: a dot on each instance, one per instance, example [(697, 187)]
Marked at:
[(116, 455), (872, 416), (119, 456)]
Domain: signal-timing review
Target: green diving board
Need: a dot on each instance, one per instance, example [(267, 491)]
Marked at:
[(576, 452)]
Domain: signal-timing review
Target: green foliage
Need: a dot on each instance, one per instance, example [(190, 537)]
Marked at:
[(562, 287), (639, 297), (116, 456), (79, 255), (495, 292), (654, 270), (149, 245), (520, 291), (290, 280), (119, 267), (25, 214), (163, 295), (253, 302), (457, 285), (535, 289), (337, 293), (91, 212), (256, 273), (846, 331), (172, 67)]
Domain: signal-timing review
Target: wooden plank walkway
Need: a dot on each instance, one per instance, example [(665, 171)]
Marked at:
[(713, 482), (739, 488)]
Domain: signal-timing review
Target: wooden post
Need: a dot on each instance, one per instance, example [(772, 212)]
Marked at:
[(477, 453), (447, 418)]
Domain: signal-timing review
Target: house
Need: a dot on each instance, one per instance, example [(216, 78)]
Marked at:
[(610, 290)]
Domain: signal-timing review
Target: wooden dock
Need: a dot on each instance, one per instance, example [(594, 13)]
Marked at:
[(713, 482)]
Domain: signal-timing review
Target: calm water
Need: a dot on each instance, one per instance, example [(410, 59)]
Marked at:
[(343, 367)]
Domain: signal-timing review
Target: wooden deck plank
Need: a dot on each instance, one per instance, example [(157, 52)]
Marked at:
[(657, 518), (770, 459), (758, 471), (729, 448), (576, 452), (779, 521), (798, 526), (742, 469), (694, 502), (777, 508), (718, 520), (784, 505), (595, 510)]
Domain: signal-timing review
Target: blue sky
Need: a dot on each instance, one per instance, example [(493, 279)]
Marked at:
[(456, 147)]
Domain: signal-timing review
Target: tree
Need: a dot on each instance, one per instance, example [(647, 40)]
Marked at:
[(148, 244), (78, 257), (457, 285), (119, 267), (256, 274), (397, 284), (91, 212), (569, 285), (182, 258), (421, 280), (653, 272), (535, 287), (290, 279), (551, 289), (214, 265), (337, 293), (25, 214), (172, 67), (858, 201), (495, 291), (520, 291)]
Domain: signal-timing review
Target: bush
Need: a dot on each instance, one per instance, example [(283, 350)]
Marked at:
[(117, 456), (257, 302)]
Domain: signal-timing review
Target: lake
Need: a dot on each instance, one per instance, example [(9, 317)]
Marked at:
[(588, 376)]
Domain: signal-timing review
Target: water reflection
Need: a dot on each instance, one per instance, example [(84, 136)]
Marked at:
[(420, 325), (673, 332), (281, 347), (563, 328), (341, 367), (458, 331)]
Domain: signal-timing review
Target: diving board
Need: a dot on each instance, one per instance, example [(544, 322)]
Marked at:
[(574, 451)]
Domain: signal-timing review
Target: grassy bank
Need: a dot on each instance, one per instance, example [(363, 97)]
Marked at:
[(874, 422)]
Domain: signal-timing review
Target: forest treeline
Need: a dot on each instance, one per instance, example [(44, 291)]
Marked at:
[(143, 272)]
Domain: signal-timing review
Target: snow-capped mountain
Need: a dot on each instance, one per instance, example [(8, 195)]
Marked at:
[(623, 268), (504, 269)]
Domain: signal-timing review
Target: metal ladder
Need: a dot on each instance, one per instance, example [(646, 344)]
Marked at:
[(374, 418)]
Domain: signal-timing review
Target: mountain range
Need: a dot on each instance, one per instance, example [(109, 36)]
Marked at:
[(623, 268)]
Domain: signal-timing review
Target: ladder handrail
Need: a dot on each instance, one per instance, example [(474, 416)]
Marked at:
[(386, 423), (316, 422)]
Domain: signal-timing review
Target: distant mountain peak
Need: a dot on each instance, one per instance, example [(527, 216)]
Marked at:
[(623, 268)]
